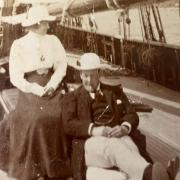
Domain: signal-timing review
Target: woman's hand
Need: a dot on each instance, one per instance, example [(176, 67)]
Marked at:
[(48, 91)]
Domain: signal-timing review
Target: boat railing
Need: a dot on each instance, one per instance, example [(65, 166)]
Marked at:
[(116, 36), (155, 61)]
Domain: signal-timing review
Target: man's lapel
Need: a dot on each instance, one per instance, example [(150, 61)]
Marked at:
[(108, 95), (85, 101)]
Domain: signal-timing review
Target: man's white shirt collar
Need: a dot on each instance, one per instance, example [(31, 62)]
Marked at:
[(92, 94)]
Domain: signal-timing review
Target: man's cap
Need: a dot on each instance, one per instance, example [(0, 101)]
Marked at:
[(88, 61), (110, 80)]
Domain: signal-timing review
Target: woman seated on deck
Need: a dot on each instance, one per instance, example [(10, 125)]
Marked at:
[(33, 131)]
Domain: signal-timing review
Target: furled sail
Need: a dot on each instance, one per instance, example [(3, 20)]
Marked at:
[(75, 7)]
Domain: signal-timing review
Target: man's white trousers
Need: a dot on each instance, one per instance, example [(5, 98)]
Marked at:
[(102, 152)]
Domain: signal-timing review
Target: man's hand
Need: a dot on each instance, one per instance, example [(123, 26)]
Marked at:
[(117, 131), (99, 131), (48, 92)]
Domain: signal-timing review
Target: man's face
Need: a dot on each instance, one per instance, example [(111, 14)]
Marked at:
[(90, 79)]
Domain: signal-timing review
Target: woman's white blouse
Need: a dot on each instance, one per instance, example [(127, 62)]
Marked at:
[(36, 52)]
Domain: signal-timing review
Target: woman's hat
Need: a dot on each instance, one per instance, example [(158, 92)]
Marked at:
[(37, 14), (88, 61)]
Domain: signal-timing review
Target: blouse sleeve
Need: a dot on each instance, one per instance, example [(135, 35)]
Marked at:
[(17, 74), (60, 64)]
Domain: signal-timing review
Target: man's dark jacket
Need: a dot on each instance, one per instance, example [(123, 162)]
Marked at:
[(77, 116)]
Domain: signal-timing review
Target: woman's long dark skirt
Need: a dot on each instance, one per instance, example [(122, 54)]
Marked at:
[(35, 133)]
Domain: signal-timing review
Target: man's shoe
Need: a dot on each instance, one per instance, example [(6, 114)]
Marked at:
[(173, 167), (159, 172)]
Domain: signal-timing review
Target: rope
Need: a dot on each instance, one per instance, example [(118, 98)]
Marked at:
[(116, 3), (109, 4), (161, 25), (144, 23), (141, 25)]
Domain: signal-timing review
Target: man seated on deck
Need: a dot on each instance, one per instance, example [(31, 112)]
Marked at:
[(101, 123)]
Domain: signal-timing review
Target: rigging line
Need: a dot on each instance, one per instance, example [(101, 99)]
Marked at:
[(124, 26), (95, 33), (96, 26), (88, 9), (119, 23), (162, 29), (147, 21), (116, 3), (144, 15), (149, 24), (156, 22), (109, 4), (128, 23), (144, 23), (141, 23)]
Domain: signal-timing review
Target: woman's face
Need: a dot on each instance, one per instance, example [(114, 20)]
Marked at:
[(43, 27)]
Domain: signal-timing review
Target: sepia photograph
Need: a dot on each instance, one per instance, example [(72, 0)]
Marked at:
[(89, 89)]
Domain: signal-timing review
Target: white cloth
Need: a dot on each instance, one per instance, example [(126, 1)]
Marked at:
[(26, 56), (92, 94), (95, 173), (119, 152)]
